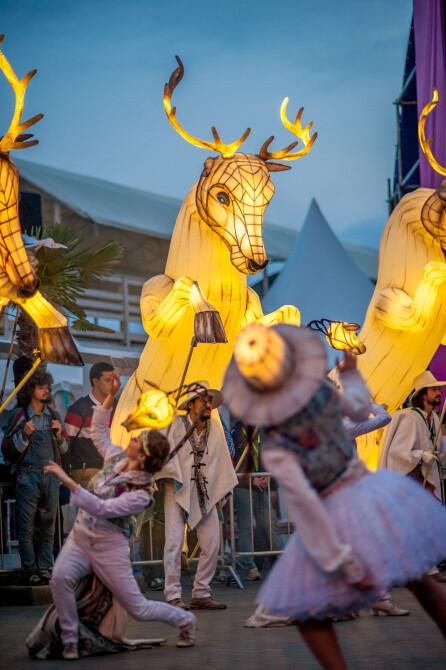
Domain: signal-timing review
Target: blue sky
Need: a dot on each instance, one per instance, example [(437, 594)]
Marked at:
[(102, 65)]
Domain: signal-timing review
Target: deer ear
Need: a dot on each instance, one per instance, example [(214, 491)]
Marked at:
[(277, 167), (208, 163)]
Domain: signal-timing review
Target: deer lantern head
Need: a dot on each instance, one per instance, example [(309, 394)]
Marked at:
[(13, 257), (235, 188)]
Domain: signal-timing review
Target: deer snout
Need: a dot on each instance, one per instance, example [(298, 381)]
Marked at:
[(29, 292), (256, 267)]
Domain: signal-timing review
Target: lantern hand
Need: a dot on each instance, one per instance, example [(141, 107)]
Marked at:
[(164, 302), (285, 314), (198, 300), (397, 310)]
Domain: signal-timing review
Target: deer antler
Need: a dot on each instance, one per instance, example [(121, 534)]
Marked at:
[(226, 150), (426, 144), (15, 138), (296, 129)]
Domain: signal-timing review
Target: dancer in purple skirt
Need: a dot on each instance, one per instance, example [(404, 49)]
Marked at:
[(358, 533)]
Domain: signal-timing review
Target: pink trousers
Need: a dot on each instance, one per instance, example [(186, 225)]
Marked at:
[(106, 553)]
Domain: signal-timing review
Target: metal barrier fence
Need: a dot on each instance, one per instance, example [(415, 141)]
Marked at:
[(255, 518), (227, 561)]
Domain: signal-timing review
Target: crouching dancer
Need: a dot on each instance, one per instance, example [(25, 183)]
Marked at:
[(98, 541)]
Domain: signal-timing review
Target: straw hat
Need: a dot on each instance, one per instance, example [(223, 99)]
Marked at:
[(425, 380), (273, 373), (217, 396)]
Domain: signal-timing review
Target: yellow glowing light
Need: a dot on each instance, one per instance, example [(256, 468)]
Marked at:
[(12, 139), (18, 281), (342, 336), (155, 409), (406, 318), (216, 242), (426, 144), (262, 357), (226, 150), (295, 128)]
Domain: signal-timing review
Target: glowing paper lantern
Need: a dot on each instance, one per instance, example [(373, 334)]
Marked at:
[(340, 335), (406, 318), (155, 409), (216, 242), (18, 281)]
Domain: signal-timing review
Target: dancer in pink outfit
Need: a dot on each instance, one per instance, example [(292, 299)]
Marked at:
[(358, 533), (98, 542)]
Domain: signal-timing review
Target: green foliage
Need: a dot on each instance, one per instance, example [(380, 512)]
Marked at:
[(65, 274)]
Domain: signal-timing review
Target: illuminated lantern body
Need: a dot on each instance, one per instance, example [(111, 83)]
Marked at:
[(406, 318), (339, 335), (216, 242), (342, 336), (155, 409), (18, 281)]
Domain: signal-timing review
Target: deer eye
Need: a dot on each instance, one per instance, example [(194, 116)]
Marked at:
[(223, 197)]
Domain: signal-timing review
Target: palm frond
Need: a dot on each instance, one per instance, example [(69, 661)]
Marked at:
[(87, 326), (66, 273), (101, 262)]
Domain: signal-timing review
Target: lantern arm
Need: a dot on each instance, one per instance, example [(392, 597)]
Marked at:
[(254, 312), (164, 302), (285, 314), (397, 310)]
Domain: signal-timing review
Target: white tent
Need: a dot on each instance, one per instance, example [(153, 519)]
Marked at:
[(320, 277)]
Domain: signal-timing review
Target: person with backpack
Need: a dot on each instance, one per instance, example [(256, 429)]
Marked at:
[(34, 437)]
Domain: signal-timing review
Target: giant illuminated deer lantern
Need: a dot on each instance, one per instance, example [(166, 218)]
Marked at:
[(216, 243), (18, 281), (406, 318)]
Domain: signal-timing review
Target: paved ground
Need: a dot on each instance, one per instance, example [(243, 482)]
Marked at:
[(391, 643)]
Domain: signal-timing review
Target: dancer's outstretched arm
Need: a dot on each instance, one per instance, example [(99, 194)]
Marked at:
[(355, 396), (310, 519), (128, 503)]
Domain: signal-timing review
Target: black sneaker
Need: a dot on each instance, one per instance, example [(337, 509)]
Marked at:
[(45, 576)]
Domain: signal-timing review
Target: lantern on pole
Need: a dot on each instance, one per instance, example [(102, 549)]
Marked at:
[(339, 335)]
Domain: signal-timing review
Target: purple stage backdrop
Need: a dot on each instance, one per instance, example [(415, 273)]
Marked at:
[(430, 69)]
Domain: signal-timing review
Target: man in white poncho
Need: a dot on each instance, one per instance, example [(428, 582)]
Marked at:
[(408, 440), (197, 478)]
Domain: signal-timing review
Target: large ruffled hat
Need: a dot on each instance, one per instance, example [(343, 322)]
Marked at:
[(273, 373)]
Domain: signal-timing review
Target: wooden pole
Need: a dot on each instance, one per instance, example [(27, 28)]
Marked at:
[(11, 346), (22, 383)]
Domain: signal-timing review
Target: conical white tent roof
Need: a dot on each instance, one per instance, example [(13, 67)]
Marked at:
[(319, 277)]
